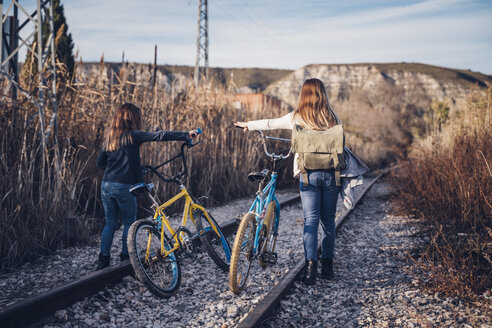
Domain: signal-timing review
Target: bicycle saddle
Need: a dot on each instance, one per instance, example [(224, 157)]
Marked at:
[(259, 176), (141, 188)]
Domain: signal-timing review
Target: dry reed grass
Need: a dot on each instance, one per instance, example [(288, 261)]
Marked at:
[(447, 185), (38, 196)]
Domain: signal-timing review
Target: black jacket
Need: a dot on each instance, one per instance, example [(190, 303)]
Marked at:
[(123, 164)]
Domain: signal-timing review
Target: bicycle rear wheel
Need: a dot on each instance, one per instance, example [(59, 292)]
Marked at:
[(242, 253), (271, 235), (215, 244), (160, 274)]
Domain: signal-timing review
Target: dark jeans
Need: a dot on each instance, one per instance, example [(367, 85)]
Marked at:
[(116, 199), (319, 202)]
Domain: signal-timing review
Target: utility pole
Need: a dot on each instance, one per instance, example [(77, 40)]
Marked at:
[(9, 31), (202, 42)]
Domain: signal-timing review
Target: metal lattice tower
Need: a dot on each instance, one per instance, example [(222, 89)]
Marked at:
[(202, 42), (11, 43)]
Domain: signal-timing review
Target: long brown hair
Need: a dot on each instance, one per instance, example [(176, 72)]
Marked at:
[(126, 118), (314, 109)]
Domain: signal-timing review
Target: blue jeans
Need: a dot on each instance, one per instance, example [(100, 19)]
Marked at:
[(319, 203), (116, 199)]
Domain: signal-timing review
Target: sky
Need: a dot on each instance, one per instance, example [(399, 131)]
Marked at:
[(286, 34)]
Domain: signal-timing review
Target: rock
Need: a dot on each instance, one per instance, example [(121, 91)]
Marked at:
[(90, 322), (231, 311), (61, 314), (105, 317)]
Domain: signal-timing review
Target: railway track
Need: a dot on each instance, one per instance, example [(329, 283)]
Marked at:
[(30, 310), (264, 309)]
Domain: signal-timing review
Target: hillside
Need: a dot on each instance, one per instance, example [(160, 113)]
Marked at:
[(432, 82), (341, 79), (256, 79), (247, 79)]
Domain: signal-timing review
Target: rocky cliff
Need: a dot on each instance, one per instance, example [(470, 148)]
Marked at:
[(342, 80)]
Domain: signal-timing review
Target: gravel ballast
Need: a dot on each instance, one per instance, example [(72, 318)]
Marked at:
[(371, 287)]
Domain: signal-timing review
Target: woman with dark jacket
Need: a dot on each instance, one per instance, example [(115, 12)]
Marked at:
[(120, 159)]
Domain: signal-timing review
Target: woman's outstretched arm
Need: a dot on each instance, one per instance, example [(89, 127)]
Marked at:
[(284, 122)]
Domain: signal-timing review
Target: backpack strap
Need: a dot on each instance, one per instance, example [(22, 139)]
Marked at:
[(337, 177), (300, 164)]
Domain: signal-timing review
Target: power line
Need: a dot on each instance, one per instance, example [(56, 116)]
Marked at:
[(268, 41), (280, 41)]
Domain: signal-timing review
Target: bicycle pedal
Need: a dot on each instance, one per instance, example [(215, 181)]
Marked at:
[(269, 257)]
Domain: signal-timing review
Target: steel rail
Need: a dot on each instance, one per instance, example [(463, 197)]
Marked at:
[(33, 308), (264, 309)]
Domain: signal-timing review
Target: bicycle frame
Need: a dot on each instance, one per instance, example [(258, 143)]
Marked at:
[(190, 206), (259, 206)]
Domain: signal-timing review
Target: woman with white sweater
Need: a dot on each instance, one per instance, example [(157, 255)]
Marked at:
[(319, 194)]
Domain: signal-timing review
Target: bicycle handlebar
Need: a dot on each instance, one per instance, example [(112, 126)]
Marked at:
[(176, 178), (273, 156)]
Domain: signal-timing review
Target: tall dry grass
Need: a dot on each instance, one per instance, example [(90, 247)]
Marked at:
[(49, 199), (447, 185)]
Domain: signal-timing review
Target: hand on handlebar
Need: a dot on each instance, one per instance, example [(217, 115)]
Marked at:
[(194, 133), (242, 125), (194, 136)]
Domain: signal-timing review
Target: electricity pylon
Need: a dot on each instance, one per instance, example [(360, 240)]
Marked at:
[(202, 43), (11, 43)]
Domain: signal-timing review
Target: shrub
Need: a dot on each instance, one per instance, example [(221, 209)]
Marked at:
[(446, 185)]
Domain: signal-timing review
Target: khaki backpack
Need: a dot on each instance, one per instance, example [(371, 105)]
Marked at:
[(319, 150)]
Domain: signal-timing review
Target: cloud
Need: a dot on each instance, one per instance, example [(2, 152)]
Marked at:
[(437, 32), (287, 34), (397, 12)]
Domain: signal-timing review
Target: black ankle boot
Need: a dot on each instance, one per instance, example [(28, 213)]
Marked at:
[(327, 269), (124, 257), (310, 271), (103, 262)]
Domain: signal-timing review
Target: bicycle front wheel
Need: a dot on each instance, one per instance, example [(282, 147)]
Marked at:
[(160, 274), (242, 253), (214, 242)]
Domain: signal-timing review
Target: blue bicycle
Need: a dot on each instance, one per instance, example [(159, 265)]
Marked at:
[(257, 232)]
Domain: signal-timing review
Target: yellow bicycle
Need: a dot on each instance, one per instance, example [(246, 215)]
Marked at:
[(155, 247)]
